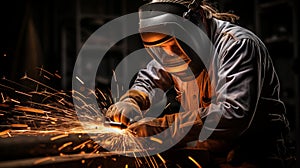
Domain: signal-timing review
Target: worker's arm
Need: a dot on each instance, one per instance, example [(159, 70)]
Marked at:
[(238, 82), (131, 105), (239, 79)]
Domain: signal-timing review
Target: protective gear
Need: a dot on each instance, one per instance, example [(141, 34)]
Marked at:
[(241, 88), (238, 89), (128, 109), (171, 55), (125, 112), (175, 56), (171, 126)]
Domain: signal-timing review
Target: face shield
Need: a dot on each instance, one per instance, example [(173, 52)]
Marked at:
[(161, 29), (167, 51)]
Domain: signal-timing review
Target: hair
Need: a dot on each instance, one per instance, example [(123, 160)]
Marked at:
[(208, 10)]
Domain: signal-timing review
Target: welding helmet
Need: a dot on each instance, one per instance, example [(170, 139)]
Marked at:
[(161, 23)]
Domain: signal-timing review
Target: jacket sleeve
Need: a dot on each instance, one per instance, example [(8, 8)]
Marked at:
[(152, 77), (238, 80)]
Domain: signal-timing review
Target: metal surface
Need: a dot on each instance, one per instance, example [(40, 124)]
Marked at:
[(44, 151)]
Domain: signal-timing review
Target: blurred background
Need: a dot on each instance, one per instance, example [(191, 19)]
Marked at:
[(50, 33)]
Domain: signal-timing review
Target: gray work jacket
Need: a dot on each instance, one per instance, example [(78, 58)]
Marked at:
[(240, 88)]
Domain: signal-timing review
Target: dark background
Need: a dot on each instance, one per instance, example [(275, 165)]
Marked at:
[(49, 34)]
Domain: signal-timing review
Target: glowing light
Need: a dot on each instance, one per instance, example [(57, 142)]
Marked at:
[(3, 100), (23, 93), (195, 162), (42, 160), (59, 137), (15, 101), (46, 77), (81, 145), (65, 145), (156, 140), (53, 113), (161, 158), (79, 80), (29, 109), (4, 132), (19, 125), (57, 75), (167, 105), (102, 94)]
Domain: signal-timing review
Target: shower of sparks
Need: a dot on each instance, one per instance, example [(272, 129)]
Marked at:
[(33, 108)]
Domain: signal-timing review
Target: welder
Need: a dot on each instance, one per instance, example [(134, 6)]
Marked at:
[(234, 83)]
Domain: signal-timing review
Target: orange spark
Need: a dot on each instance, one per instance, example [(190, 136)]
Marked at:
[(156, 140), (19, 125), (61, 101), (23, 93), (38, 83), (46, 77), (4, 132), (79, 80), (114, 75), (196, 163), (57, 75), (104, 97), (29, 109), (43, 70), (81, 145), (3, 100), (10, 88), (52, 118), (43, 160), (161, 158), (58, 137), (167, 105), (65, 145), (16, 101)]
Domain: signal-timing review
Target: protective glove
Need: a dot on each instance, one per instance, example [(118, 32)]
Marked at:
[(179, 127), (125, 112), (150, 126), (129, 108)]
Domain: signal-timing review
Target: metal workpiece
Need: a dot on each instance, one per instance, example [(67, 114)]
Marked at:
[(78, 150)]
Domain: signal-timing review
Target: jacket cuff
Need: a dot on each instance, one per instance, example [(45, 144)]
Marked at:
[(141, 98)]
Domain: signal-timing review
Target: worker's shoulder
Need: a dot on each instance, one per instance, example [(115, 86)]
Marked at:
[(226, 31)]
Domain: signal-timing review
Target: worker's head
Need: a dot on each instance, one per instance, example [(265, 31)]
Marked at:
[(173, 54)]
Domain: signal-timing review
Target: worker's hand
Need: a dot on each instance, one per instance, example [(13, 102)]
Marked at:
[(126, 112), (183, 126), (149, 126)]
